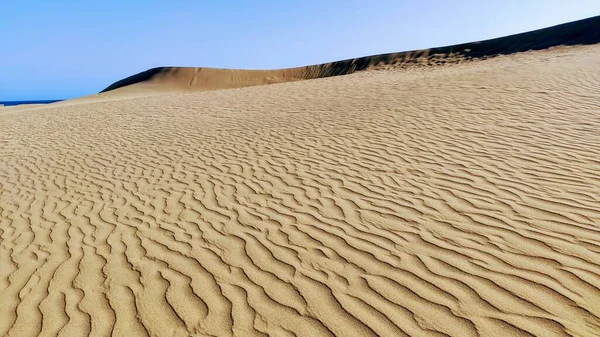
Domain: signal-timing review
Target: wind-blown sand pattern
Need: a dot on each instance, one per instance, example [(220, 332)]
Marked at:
[(457, 200)]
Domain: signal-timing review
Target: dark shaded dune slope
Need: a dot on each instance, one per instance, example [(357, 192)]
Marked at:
[(582, 32)]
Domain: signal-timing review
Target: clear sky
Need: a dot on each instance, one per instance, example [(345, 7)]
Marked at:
[(70, 48)]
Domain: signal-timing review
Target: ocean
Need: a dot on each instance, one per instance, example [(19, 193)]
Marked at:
[(11, 103)]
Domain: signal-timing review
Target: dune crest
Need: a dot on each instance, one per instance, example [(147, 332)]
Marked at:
[(582, 32)]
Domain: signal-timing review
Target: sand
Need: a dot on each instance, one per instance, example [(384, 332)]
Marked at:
[(458, 200)]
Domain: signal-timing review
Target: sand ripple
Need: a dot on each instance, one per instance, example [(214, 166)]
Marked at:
[(461, 200)]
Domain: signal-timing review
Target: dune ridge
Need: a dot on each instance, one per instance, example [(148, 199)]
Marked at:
[(468, 205), (582, 32)]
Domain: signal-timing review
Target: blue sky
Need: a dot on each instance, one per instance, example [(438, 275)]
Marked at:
[(68, 48)]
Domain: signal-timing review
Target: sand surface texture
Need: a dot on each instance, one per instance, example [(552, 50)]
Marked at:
[(457, 200)]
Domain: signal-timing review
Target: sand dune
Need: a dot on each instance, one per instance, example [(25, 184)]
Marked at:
[(459, 200), (582, 32)]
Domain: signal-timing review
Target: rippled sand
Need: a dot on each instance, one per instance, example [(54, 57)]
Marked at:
[(457, 200)]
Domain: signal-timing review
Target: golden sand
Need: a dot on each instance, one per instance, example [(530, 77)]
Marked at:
[(457, 200)]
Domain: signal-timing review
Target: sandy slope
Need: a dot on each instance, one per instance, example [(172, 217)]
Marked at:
[(581, 32), (460, 200)]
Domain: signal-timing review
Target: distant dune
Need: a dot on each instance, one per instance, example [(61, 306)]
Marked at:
[(468, 205), (582, 32)]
